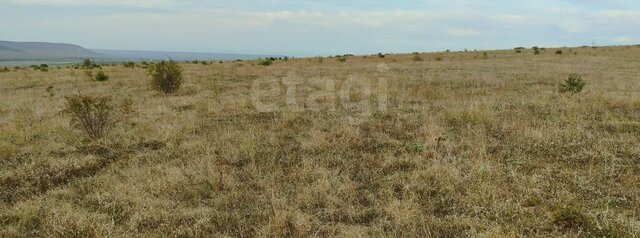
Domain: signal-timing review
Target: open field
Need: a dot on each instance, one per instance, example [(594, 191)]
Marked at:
[(460, 144)]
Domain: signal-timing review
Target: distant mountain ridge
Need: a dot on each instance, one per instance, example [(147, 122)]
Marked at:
[(175, 55), (10, 50)]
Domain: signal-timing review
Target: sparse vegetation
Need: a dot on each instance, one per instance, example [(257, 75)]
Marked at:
[(166, 76), (462, 148)]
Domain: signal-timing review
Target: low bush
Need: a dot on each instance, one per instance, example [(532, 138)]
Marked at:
[(536, 50), (265, 62), (574, 84), (101, 76), (93, 115), (129, 65), (558, 52), (166, 76)]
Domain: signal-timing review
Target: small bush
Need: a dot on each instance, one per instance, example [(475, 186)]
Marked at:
[(101, 76), (342, 59), (574, 84), (417, 58), (93, 115), (265, 62), (380, 55), (416, 148), (5, 69), (166, 76), (518, 51), (129, 65), (536, 50), (87, 63), (558, 52)]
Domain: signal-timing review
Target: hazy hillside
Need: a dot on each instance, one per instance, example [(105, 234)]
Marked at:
[(43, 51), (179, 56)]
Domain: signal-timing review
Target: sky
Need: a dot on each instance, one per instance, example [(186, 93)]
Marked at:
[(315, 27)]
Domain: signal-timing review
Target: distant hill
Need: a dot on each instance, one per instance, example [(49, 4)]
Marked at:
[(178, 56), (18, 53), (14, 51)]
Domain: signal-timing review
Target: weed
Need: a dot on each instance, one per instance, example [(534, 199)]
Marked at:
[(416, 148)]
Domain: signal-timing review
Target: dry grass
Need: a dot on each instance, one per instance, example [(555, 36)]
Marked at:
[(470, 145)]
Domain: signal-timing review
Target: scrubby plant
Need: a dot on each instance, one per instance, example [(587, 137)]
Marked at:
[(573, 84), (536, 50), (87, 63), (5, 69), (417, 57), (558, 52), (101, 76), (129, 64), (166, 76), (265, 62), (95, 116), (342, 59), (380, 55), (416, 148)]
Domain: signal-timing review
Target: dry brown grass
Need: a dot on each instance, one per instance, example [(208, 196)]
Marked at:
[(470, 145)]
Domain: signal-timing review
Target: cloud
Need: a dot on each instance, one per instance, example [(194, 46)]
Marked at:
[(623, 40)]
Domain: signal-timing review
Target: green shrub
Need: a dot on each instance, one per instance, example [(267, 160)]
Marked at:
[(5, 69), (265, 62), (342, 59), (558, 52), (87, 63), (417, 58), (536, 50), (416, 148), (166, 76), (574, 84), (95, 116), (101, 76), (380, 55)]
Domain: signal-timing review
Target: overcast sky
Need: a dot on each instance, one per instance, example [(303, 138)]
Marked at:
[(315, 27)]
